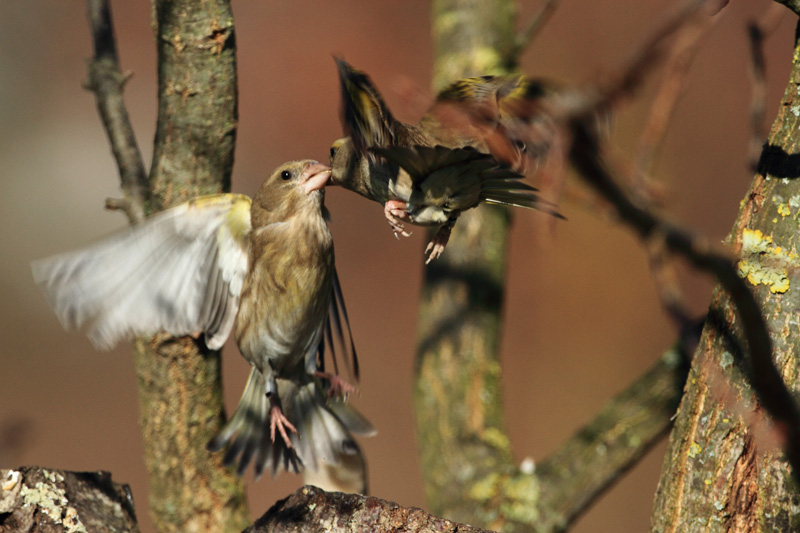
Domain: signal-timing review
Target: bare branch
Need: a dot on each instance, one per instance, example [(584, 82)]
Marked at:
[(106, 82), (532, 29), (669, 92), (650, 55), (628, 425)]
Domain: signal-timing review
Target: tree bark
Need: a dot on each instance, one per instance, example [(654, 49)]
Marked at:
[(458, 397), (39, 500), (312, 509), (724, 470)]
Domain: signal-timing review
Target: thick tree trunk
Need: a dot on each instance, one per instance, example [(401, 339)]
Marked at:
[(458, 400), (724, 470), (180, 390)]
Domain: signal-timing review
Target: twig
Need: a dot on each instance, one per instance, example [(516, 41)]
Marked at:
[(532, 29), (106, 82), (661, 110), (757, 31), (666, 280), (650, 54)]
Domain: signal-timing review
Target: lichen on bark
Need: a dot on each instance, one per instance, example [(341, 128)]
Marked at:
[(723, 470)]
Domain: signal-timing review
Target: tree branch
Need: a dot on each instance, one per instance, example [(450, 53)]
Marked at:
[(313, 509), (107, 82), (532, 29), (619, 435), (180, 389)]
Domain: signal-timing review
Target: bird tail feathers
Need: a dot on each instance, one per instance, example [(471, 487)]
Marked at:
[(325, 429)]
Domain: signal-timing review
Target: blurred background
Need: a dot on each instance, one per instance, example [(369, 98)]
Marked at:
[(582, 315)]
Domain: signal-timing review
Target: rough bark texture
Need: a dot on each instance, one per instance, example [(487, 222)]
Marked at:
[(313, 509), (38, 500), (458, 397), (723, 470), (197, 99), (180, 389)]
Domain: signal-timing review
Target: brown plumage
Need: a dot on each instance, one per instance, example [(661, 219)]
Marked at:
[(470, 147), (263, 268)]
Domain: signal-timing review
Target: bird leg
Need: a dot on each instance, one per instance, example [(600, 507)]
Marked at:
[(396, 212), (338, 386), (279, 422), (439, 241)]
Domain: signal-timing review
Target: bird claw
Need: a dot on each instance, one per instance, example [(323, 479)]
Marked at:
[(396, 212), (279, 422), (437, 244), (338, 386)]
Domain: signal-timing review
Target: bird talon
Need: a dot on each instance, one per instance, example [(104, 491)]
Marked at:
[(338, 386), (279, 422)]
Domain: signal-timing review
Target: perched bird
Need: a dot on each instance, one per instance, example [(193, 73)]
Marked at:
[(471, 146), (262, 267)]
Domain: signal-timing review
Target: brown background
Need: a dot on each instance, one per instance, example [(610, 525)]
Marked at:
[(582, 315)]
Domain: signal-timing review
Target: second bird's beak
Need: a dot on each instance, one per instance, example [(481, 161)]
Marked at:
[(315, 177)]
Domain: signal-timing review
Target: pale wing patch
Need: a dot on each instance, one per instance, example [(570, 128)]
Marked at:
[(163, 274)]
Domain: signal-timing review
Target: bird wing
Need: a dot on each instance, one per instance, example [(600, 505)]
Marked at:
[(338, 339), (505, 115), (459, 178), (365, 117), (179, 271)]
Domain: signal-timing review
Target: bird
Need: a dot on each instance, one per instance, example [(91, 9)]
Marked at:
[(472, 146), (262, 268)]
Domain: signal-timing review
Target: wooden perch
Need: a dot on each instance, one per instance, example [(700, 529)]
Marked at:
[(313, 509)]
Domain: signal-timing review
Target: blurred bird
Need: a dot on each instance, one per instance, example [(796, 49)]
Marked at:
[(264, 267), (471, 146)]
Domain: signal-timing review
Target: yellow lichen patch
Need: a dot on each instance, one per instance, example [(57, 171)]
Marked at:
[(783, 210), (765, 264), (521, 496), (695, 450), (486, 488)]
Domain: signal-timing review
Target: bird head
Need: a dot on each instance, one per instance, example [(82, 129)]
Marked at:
[(293, 188)]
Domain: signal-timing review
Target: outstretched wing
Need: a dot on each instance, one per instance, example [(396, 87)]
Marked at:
[(179, 271)]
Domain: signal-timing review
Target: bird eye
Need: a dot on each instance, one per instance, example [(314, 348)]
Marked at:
[(521, 146), (333, 152), (286, 175)]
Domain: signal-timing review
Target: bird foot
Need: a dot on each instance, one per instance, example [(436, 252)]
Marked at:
[(338, 386), (278, 422), (396, 212), (437, 244)]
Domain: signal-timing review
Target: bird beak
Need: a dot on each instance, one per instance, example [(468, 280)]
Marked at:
[(315, 177)]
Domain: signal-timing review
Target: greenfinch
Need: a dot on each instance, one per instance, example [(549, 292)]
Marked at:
[(472, 146), (262, 268)]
